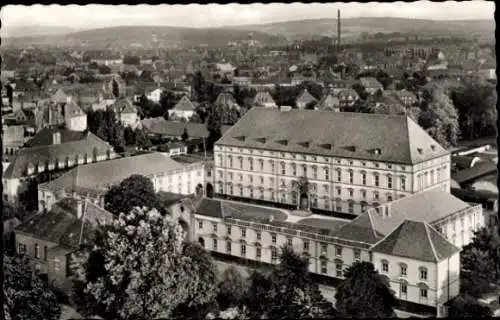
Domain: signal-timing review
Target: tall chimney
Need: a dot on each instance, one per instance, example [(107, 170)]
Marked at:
[(338, 27)]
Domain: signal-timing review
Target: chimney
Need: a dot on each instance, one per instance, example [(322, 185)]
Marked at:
[(79, 208), (56, 137), (338, 27), (68, 99)]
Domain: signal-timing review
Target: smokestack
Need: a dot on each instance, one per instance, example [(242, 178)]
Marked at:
[(338, 27)]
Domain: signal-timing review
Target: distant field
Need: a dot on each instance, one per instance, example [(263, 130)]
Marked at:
[(323, 223), (249, 211)]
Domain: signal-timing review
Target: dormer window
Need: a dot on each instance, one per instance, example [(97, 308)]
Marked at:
[(433, 147), (377, 151), (420, 150)]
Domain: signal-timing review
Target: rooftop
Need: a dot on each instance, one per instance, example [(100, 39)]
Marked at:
[(176, 128), (385, 138)]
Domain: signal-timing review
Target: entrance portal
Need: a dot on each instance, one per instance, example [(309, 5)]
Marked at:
[(304, 202), (210, 190)]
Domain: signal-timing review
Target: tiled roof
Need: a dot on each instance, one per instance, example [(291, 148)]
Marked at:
[(184, 105), (369, 82), (427, 206), (360, 229), (55, 153), (72, 109), (416, 240), (340, 134), (12, 134), (123, 106), (475, 172), (344, 94), (328, 103), (306, 97), (226, 99), (263, 97), (45, 137), (176, 129), (98, 176), (62, 226)]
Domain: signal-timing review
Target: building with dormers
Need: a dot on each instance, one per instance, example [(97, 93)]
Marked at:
[(126, 113), (304, 99), (349, 161)]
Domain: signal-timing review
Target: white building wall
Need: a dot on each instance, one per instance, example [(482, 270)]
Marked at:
[(78, 123), (448, 279), (459, 227)]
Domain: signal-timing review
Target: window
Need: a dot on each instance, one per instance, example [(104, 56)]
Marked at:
[(403, 183), (258, 253), (261, 180), (243, 232), (403, 270), (327, 174), (241, 162), (351, 207), (294, 169), (21, 249), (304, 170), (324, 266), (338, 251), (228, 246), (251, 192), (385, 266), (363, 177), (351, 192), (273, 237), (272, 165), (339, 191), (37, 251), (259, 236), (306, 244), (274, 254), (432, 177), (338, 269), (404, 288), (375, 195), (214, 241), (324, 249), (389, 197), (250, 160), (214, 227), (261, 164), (423, 293), (45, 253), (423, 274), (231, 190), (315, 172), (241, 191), (351, 177), (230, 162), (339, 175), (243, 250), (377, 181), (229, 228), (357, 254), (289, 241), (325, 188), (200, 224), (363, 193), (389, 182), (283, 169)]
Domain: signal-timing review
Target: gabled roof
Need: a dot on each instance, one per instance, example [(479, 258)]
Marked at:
[(62, 226), (45, 137), (71, 109), (328, 103), (226, 99), (398, 138), (123, 106), (96, 177), (263, 97), (476, 171), (54, 153), (369, 82), (184, 105), (360, 229), (427, 206), (306, 97), (416, 240), (176, 128)]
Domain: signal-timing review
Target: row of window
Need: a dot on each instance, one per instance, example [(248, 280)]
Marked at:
[(432, 177), (68, 162), (37, 249), (403, 270), (260, 162)]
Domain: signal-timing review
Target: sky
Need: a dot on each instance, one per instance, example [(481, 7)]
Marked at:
[(217, 15)]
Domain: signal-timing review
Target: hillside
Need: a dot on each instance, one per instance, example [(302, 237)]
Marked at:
[(33, 30), (354, 26), (146, 36)]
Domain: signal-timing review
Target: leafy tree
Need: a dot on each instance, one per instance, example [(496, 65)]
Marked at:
[(167, 100), (439, 117), (26, 295), (104, 125), (360, 90), (139, 269), (364, 293), (129, 136), (142, 140), (134, 60), (116, 90), (103, 69), (293, 294), (195, 118), (467, 306), (214, 126), (232, 288), (134, 191), (311, 105), (256, 296), (185, 135)]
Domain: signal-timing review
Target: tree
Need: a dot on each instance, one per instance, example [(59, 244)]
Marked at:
[(27, 296), (439, 117), (364, 293), (142, 140), (134, 191), (140, 270), (103, 69), (232, 288), (167, 100), (256, 296), (134, 60), (214, 126), (293, 294), (104, 125), (116, 90), (185, 135), (466, 306), (311, 105)]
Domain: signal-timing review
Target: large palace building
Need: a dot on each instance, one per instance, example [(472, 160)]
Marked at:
[(327, 161)]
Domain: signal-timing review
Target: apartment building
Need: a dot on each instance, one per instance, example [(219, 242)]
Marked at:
[(327, 161)]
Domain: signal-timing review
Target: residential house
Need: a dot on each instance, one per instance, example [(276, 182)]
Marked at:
[(488, 70), (242, 81), (67, 113), (225, 69), (348, 98), (404, 96), (155, 95), (335, 86), (46, 161), (371, 84), (329, 102), (304, 99), (12, 139), (92, 181), (126, 113), (50, 237), (183, 109), (227, 100), (264, 99)]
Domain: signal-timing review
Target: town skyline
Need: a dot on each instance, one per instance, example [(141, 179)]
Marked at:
[(217, 15)]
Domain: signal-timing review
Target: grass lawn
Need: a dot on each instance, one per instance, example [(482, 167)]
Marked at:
[(248, 211), (323, 223)]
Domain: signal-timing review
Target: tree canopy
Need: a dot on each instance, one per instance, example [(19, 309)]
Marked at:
[(134, 191), (466, 306), (26, 295), (364, 293), (232, 288), (103, 124), (141, 270)]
